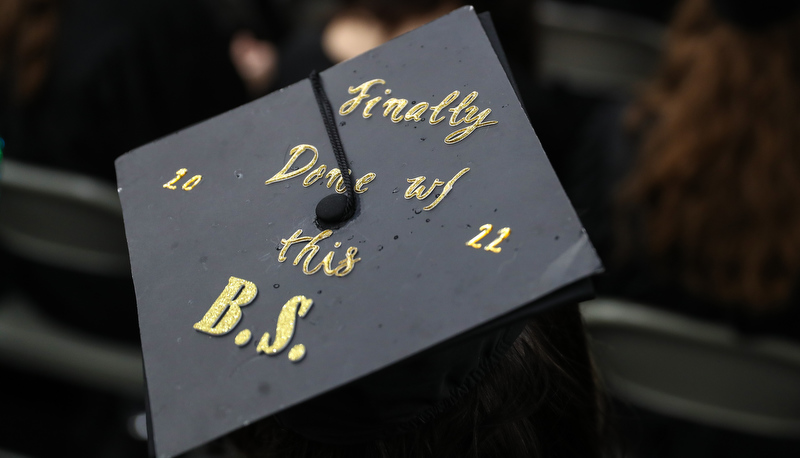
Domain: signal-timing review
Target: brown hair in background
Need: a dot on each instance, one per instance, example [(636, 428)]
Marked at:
[(27, 35), (716, 188)]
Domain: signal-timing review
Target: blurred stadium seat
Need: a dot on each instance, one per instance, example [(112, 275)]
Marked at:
[(593, 49), (697, 371), (62, 219), (73, 223)]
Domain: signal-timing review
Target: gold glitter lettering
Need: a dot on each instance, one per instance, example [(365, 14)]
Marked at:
[(284, 173), (461, 134), (345, 266), (310, 249), (298, 305), (335, 175), (315, 175), (350, 105), (325, 265), (438, 108), (473, 242), (470, 114), (415, 113), (359, 187), (368, 107), (226, 311), (171, 184), (394, 106), (485, 229), (295, 238), (457, 110), (417, 190), (447, 188), (503, 233), (464, 112), (297, 353), (193, 181), (243, 338)]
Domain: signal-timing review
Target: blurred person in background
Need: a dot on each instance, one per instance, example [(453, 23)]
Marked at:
[(716, 186), (82, 82), (693, 205), (706, 183), (350, 27), (256, 28)]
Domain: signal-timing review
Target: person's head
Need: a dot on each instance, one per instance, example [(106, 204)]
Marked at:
[(539, 398), (513, 19), (717, 180)]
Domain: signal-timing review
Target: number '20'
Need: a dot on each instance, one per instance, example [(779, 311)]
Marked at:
[(188, 186)]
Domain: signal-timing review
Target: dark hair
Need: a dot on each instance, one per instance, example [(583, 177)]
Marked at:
[(540, 399), (717, 182), (27, 35)]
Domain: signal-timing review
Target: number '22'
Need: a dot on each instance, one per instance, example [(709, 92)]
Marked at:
[(485, 229)]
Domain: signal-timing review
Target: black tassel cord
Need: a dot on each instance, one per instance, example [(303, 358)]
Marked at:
[(335, 208)]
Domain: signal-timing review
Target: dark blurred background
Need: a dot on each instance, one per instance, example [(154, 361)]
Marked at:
[(84, 81)]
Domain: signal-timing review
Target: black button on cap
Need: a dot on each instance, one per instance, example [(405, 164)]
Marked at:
[(332, 209)]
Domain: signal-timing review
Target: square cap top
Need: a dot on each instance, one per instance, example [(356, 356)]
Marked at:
[(248, 306)]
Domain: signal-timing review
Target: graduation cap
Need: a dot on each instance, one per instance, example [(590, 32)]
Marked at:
[(255, 299)]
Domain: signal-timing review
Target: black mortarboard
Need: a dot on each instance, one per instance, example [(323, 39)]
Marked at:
[(250, 307)]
